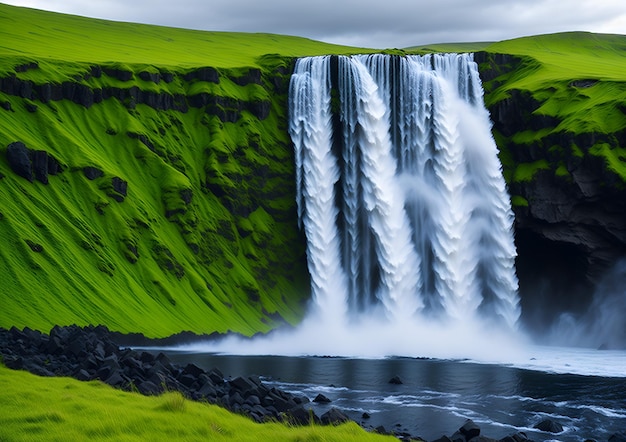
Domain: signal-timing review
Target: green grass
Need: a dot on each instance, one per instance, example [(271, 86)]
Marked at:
[(42, 35), (451, 47), (578, 80), (577, 77), (61, 409)]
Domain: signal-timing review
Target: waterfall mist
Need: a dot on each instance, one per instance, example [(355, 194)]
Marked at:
[(406, 214), (603, 323)]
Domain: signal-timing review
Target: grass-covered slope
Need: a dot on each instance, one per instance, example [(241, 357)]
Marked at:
[(574, 84), (59, 409), (169, 201)]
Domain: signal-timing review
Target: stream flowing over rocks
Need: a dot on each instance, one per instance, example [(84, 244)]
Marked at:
[(93, 353)]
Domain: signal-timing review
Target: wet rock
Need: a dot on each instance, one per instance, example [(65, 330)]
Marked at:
[(301, 416), (396, 380), (148, 388), (458, 437), (334, 416), (381, 430), (470, 430), (242, 384), (321, 399), (620, 436), (549, 426)]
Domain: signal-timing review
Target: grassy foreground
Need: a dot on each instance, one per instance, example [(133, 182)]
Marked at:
[(62, 409)]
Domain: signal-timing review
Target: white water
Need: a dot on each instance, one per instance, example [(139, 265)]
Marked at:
[(410, 191), (405, 211)]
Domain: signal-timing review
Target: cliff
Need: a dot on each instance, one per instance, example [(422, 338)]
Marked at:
[(151, 189), (561, 135), (147, 185)]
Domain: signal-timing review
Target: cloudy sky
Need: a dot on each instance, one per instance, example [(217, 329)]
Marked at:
[(366, 23)]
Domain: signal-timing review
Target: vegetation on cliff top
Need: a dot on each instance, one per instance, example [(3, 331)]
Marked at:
[(575, 89), (570, 85)]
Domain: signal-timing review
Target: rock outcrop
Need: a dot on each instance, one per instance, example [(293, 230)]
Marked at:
[(570, 217), (31, 164)]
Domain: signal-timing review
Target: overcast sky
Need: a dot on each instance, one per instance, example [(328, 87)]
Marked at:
[(365, 23)]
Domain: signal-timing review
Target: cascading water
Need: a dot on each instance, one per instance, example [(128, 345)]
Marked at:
[(408, 223), (400, 189)]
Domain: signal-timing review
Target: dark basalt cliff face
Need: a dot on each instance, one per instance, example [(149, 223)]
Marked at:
[(570, 224)]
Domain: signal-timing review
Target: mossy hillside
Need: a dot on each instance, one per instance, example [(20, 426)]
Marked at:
[(574, 87), (169, 256), (45, 409), (205, 237)]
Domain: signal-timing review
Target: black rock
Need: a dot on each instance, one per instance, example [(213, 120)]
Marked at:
[(366, 415), (83, 375), (216, 376), (242, 384), (470, 430), (193, 370), (549, 426), (91, 173), (381, 430), (116, 379), (620, 436), (120, 189), (396, 380), (18, 157), (301, 416), (253, 400), (148, 388), (187, 380), (321, 399), (39, 160), (334, 416), (458, 437)]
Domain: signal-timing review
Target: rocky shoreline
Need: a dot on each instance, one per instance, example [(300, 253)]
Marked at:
[(94, 353)]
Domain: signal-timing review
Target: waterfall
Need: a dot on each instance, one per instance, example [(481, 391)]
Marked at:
[(400, 190)]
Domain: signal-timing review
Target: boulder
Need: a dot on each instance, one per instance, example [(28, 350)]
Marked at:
[(321, 399), (549, 426), (148, 388), (334, 416), (301, 416), (396, 380), (620, 436), (18, 157), (91, 173), (470, 430), (242, 385)]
